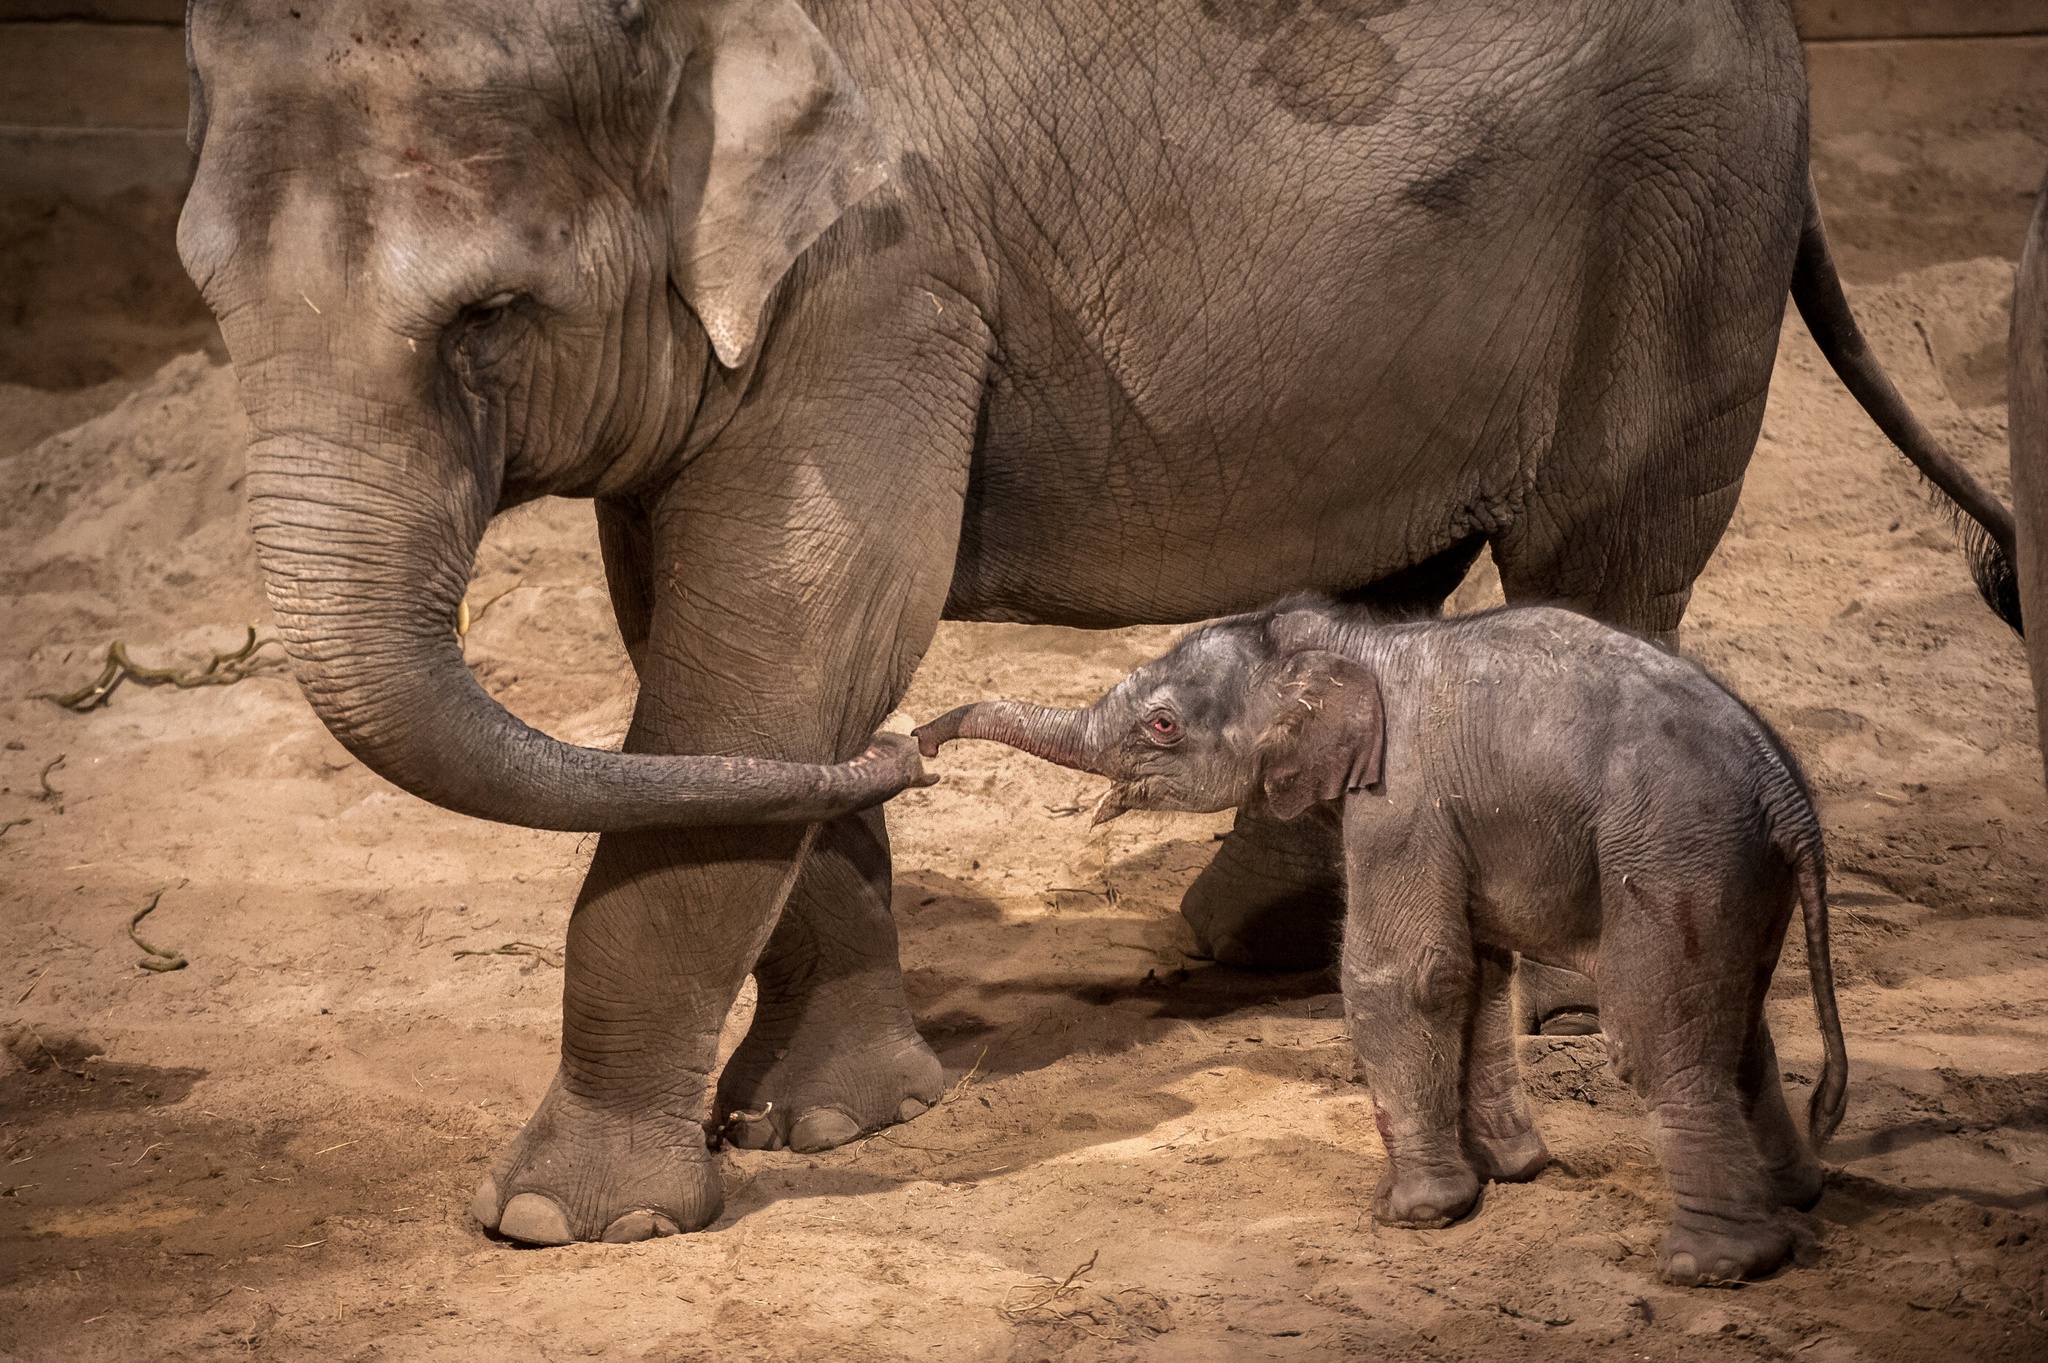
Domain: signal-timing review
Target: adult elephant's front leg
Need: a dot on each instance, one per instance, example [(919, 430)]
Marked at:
[(658, 944), (795, 574), (832, 1051)]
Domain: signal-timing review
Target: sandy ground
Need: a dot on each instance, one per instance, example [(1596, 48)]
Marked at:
[(269, 1153)]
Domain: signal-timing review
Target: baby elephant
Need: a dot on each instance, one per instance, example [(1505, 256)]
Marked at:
[(1528, 781)]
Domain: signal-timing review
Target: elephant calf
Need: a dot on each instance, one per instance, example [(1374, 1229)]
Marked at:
[(1528, 781)]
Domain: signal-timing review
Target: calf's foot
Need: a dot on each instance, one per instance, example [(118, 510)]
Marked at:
[(580, 1172), (1798, 1183), (1423, 1199), (1515, 1157), (1699, 1251)]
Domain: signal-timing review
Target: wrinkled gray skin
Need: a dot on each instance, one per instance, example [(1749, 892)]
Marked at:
[(1528, 781), (2027, 390), (900, 309)]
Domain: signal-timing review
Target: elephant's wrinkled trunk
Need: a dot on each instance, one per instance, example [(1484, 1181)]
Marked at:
[(1067, 737), (366, 555)]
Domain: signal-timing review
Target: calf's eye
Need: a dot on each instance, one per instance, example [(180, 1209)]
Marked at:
[(1163, 726)]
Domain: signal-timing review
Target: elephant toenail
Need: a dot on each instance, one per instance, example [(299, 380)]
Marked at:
[(1683, 1267), (1425, 1212), (535, 1220), (911, 1108), (822, 1129), (484, 1206), (636, 1226)]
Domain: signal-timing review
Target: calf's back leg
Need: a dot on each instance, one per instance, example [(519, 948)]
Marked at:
[(1500, 1136), (1682, 990)]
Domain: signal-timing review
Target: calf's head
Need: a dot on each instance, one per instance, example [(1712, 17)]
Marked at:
[(1251, 709)]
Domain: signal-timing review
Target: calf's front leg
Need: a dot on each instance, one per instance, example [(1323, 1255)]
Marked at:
[(1411, 982)]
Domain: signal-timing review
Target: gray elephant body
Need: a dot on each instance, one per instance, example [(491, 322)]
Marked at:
[(905, 309), (2027, 386), (1527, 782)]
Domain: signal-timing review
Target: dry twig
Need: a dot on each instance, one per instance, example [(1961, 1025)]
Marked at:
[(547, 956), (159, 960), (1049, 1301), (224, 670), (49, 794)]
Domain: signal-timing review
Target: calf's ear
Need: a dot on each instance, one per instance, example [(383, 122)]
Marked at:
[(1329, 737), (769, 142)]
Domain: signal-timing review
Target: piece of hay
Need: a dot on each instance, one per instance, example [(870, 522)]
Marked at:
[(158, 960), (224, 670), (547, 956)]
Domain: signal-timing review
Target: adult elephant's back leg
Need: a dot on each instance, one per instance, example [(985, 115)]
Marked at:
[(1272, 898), (1657, 402), (832, 1050)]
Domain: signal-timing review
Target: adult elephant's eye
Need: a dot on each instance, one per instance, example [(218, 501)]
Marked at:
[(489, 312), (483, 334)]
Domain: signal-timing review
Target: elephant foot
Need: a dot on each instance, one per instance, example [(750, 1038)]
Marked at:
[(1271, 899), (1553, 1001), (577, 1172), (825, 1085), (1424, 1199), (1514, 1158), (1798, 1184), (1703, 1252)]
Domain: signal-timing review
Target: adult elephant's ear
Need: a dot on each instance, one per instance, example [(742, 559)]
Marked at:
[(769, 143), (1329, 737)]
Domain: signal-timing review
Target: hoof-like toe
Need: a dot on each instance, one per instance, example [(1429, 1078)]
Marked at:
[(1511, 1159), (1424, 1201), (1570, 1022), (911, 1108), (636, 1226), (824, 1129), (1698, 1257), (484, 1206), (535, 1220)]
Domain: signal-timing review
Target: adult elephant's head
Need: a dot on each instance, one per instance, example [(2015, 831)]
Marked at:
[(468, 252)]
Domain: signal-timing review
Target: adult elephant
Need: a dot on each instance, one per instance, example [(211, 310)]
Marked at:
[(2027, 385), (894, 310)]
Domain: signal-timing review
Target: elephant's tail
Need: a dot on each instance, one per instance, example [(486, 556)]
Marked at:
[(1984, 523), (1831, 1094)]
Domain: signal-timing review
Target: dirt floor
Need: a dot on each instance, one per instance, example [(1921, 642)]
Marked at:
[(270, 1152)]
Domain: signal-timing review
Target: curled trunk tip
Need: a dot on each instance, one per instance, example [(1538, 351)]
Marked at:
[(1067, 737)]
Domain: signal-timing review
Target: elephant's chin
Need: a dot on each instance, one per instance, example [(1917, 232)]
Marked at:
[(1115, 802)]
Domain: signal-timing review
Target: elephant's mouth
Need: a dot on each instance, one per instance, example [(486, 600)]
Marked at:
[(1118, 800)]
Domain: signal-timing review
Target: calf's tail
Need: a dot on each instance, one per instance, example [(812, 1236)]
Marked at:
[(1985, 524), (1831, 1094)]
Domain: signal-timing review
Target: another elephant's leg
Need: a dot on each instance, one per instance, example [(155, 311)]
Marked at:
[(832, 1051), (1500, 1135), (1411, 982), (1790, 1168), (1553, 1001), (1272, 898)]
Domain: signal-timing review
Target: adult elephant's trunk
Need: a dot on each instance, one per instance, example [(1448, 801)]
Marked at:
[(366, 554), (1071, 738), (2027, 387)]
